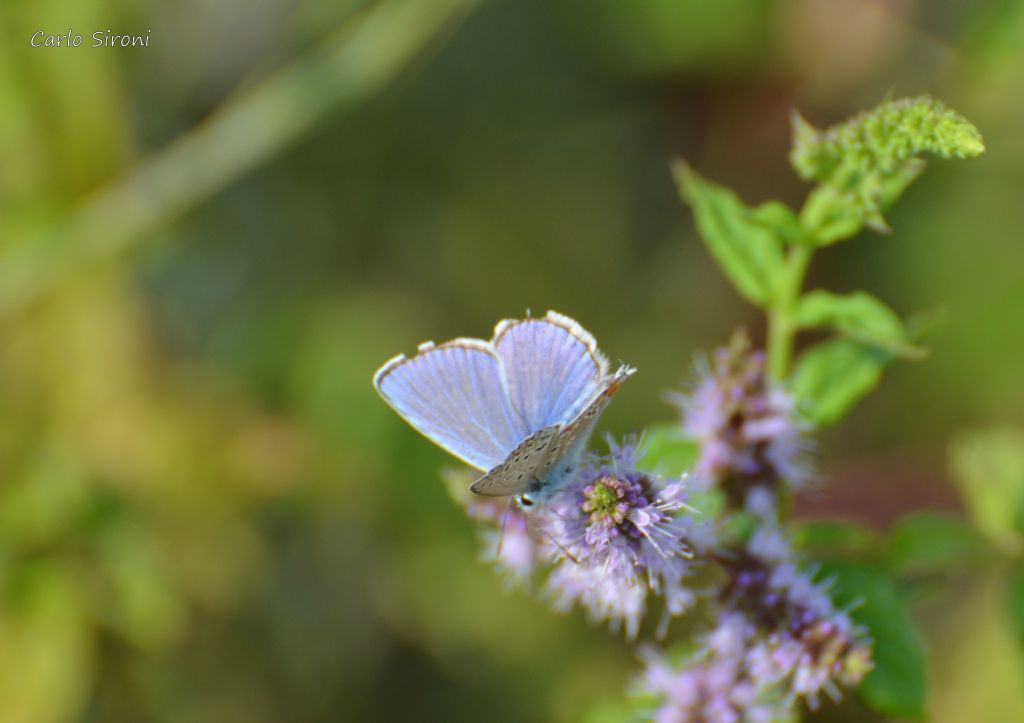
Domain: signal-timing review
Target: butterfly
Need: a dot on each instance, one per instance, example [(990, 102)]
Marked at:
[(519, 408)]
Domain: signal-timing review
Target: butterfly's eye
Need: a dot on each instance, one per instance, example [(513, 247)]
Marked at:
[(525, 501)]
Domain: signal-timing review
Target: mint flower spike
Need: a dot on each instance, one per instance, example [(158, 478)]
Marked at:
[(778, 642), (717, 686), (746, 426), (806, 642), (507, 542), (610, 539), (628, 538), (865, 163)]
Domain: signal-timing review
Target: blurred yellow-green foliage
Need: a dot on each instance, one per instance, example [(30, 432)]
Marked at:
[(209, 244)]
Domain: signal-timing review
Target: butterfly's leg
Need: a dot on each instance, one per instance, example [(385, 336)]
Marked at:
[(526, 504), (504, 521)]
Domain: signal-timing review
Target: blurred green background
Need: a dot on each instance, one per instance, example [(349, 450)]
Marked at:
[(209, 245)]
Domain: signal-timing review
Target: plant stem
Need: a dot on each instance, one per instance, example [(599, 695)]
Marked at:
[(781, 316)]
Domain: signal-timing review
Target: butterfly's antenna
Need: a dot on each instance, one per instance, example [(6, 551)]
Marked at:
[(501, 531)]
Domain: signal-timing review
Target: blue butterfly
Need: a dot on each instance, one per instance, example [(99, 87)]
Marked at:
[(519, 407)]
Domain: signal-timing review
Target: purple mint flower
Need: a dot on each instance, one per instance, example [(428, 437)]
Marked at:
[(507, 539), (622, 538), (716, 684), (746, 427), (805, 644), (743, 672), (612, 536)]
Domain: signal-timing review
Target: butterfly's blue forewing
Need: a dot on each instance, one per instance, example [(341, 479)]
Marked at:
[(455, 394), (520, 407)]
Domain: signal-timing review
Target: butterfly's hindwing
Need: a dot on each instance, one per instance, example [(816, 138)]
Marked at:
[(522, 465)]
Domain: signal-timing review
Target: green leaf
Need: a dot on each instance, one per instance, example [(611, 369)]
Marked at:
[(897, 685), (667, 450), (748, 252), (933, 542), (809, 156), (831, 377), (781, 220), (833, 539), (894, 183), (988, 467), (1015, 600), (858, 316), (831, 215), (864, 164)]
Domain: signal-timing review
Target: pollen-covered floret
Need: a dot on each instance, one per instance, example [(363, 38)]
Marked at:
[(624, 535)]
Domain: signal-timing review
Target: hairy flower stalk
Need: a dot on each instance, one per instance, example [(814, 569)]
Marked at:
[(745, 426)]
